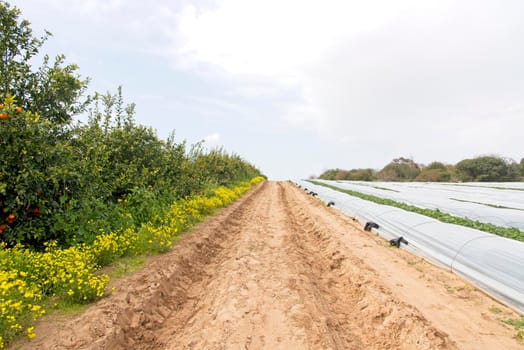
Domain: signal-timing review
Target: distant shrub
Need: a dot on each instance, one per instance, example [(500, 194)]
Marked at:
[(434, 172), (400, 169), (488, 169)]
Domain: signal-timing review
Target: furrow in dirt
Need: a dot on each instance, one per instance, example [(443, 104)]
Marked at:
[(274, 288), (361, 312), (276, 270)]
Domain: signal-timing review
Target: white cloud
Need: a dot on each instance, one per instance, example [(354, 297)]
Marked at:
[(403, 76), (212, 139), (274, 38), (269, 47)]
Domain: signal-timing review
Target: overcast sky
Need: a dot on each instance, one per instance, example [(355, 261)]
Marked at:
[(297, 86)]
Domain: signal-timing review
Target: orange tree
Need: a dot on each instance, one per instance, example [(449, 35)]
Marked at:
[(69, 183), (35, 176), (32, 175), (104, 175)]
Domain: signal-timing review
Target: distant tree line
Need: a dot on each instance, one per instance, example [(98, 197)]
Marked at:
[(481, 169)]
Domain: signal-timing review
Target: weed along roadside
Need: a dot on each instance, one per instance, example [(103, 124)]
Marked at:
[(32, 281)]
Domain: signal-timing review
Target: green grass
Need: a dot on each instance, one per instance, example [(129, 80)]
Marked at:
[(495, 310), (126, 265), (508, 232), (67, 308)]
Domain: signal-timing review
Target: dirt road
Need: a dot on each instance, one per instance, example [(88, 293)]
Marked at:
[(279, 270)]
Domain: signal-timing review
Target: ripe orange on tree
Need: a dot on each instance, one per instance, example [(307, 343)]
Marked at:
[(18, 109), (3, 115), (10, 219)]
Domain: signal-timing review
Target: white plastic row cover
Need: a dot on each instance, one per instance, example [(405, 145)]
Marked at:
[(492, 263)]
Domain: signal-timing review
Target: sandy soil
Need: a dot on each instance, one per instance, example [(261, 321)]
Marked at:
[(280, 270)]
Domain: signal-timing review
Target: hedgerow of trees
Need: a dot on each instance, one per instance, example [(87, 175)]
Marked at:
[(482, 168), (67, 181)]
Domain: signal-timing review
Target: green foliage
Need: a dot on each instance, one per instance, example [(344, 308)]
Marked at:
[(356, 175), (66, 182), (330, 174), (518, 325), (31, 175), (55, 90), (68, 188), (216, 167), (516, 322), (436, 166), (433, 175), (352, 175), (400, 169), (507, 232), (487, 168), (434, 172)]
